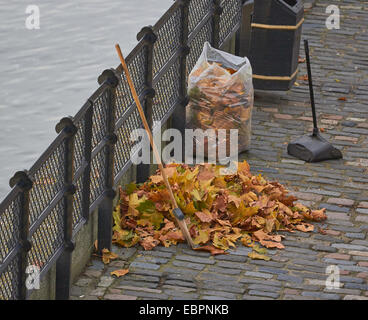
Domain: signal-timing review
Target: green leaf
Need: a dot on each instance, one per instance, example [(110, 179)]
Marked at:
[(146, 206), (130, 188)]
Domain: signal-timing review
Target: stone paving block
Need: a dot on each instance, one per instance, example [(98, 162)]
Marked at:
[(248, 297), (259, 274), (334, 208), (83, 282), (341, 201), (135, 283), (342, 291), (196, 253), (322, 295), (314, 269), (233, 258), (218, 293), (140, 277), (264, 294), (188, 284), (98, 292), (360, 286), (308, 263), (177, 289), (358, 253), (224, 270), (349, 246), (177, 274), (144, 265), (195, 259), (119, 297), (96, 265), (363, 204), (324, 248), (355, 235), (206, 297), (92, 273), (144, 272), (160, 254), (77, 291), (264, 287), (289, 278), (125, 253), (225, 287), (354, 297), (338, 256), (141, 289), (272, 270), (339, 262), (214, 275), (188, 265), (150, 259), (105, 281), (362, 210), (362, 219), (272, 282), (149, 295)]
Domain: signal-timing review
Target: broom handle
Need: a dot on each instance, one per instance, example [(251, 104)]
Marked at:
[(311, 91), (146, 126)]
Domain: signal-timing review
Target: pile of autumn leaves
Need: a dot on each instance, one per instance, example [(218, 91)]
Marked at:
[(220, 210)]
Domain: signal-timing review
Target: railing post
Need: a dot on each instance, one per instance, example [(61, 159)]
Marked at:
[(217, 11), (63, 264), (149, 38), (243, 35), (105, 208), (179, 114), (86, 180), (25, 183)]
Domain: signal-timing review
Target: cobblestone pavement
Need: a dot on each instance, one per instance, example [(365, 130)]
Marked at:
[(340, 67)]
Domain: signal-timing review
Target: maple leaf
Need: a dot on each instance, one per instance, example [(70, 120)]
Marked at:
[(203, 237), (107, 256), (146, 206), (243, 168), (156, 179), (219, 241), (319, 215), (155, 218), (205, 175), (211, 249), (130, 188), (255, 255), (149, 243), (272, 244), (204, 216), (119, 273), (305, 227), (235, 199)]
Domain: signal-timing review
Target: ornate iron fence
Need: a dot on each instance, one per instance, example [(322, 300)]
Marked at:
[(79, 171)]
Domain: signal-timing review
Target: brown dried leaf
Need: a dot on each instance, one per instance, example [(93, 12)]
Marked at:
[(107, 256), (255, 255), (210, 248), (119, 273)]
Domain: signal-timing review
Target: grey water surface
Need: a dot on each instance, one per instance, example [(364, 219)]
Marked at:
[(48, 73)]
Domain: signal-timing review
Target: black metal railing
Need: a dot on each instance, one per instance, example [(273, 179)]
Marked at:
[(80, 170)]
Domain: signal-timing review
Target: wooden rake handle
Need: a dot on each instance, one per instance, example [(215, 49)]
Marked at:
[(181, 224)]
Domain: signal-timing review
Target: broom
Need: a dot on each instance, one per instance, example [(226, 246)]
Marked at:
[(179, 216)]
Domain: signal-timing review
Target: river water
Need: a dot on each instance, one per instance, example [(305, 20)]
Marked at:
[(48, 73)]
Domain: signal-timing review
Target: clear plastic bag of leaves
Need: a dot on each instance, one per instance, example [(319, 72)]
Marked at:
[(221, 96)]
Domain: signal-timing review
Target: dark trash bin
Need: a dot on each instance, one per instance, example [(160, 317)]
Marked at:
[(275, 42)]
